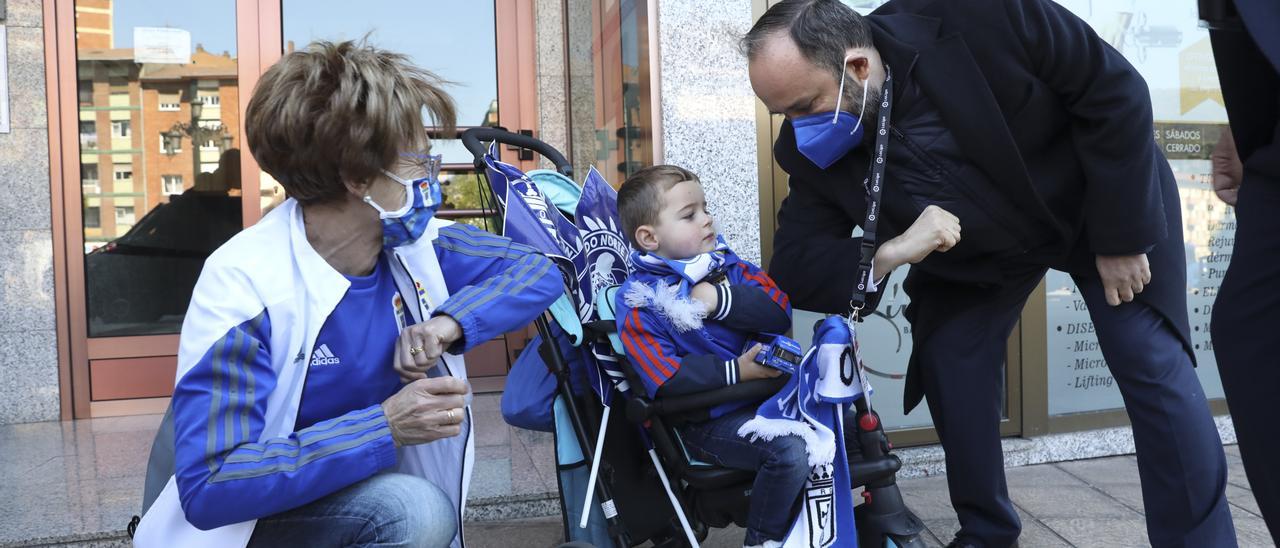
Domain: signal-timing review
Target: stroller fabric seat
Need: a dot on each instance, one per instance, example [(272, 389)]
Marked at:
[(605, 306)]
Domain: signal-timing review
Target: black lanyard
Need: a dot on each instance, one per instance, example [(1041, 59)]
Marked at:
[(873, 185)]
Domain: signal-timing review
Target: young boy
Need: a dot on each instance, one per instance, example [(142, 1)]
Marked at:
[(685, 316)]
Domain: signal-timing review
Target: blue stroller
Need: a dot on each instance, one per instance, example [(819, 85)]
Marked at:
[(642, 485)]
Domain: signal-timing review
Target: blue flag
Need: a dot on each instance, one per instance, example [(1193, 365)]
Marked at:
[(606, 255), (511, 185)]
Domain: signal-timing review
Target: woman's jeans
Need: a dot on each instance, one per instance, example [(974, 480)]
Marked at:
[(384, 510), (782, 465)]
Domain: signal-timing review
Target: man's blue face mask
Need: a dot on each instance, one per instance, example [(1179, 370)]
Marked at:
[(826, 137), (423, 198)]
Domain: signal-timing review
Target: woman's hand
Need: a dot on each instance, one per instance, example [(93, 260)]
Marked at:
[(749, 370), (426, 410), (420, 346)]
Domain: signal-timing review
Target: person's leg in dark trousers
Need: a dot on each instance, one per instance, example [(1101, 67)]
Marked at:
[(1245, 321), (1180, 459), (960, 335)]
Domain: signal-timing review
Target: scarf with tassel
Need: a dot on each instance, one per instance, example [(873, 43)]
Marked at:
[(812, 406), (673, 281)]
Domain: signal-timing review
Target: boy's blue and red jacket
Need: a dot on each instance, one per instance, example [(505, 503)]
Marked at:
[(670, 362)]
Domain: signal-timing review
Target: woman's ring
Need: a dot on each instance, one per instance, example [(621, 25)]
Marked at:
[(415, 351), (449, 413)]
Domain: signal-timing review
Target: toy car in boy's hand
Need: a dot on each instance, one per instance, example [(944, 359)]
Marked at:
[(782, 354)]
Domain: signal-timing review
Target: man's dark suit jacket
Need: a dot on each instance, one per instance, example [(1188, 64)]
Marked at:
[(1248, 69), (1057, 119)]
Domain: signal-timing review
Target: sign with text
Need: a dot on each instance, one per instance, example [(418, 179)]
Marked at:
[(161, 45)]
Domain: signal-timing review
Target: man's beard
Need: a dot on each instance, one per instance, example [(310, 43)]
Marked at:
[(852, 97)]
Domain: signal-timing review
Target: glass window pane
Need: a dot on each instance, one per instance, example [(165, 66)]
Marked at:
[(140, 64), (607, 128), (463, 51), (1162, 40)]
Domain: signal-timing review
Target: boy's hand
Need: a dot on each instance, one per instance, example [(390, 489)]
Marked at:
[(749, 370), (705, 293)]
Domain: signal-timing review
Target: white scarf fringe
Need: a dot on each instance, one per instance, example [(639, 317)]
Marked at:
[(762, 428), (684, 314)]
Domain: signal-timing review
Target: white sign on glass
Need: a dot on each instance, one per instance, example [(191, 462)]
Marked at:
[(161, 45)]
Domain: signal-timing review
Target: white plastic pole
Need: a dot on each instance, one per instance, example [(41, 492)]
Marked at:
[(595, 469), (684, 522)]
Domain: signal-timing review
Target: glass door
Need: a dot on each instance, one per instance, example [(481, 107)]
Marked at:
[(150, 95), (151, 181)]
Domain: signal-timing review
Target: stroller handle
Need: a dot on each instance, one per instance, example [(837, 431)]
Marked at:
[(474, 139)]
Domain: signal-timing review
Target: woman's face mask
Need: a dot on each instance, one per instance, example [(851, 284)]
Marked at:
[(826, 137), (423, 197)]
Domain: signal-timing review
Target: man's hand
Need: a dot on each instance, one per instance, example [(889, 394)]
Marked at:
[(420, 346), (1227, 169), (749, 370), (935, 229), (705, 293), (426, 410), (1123, 276)]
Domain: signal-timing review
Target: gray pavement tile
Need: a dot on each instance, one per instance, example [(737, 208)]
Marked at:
[(1037, 476), (1251, 530), (928, 498), (1101, 533), (943, 529), (1122, 469), (1129, 494), (1232, 449), (491, 475), (1035, 533), (526, 477), (533, 533), (1243, 498), (490, 427), (1066, 501), (1235, 472)]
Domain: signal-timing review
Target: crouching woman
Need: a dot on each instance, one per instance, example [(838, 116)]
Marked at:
[(321, 396)]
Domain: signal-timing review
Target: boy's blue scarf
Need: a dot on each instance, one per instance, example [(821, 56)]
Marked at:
[(666, 283), (812, 406)]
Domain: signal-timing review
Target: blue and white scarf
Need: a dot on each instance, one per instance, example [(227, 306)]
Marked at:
[(673, 281), (812, 406)]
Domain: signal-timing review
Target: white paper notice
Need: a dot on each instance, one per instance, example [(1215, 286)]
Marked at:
[(161, 45)]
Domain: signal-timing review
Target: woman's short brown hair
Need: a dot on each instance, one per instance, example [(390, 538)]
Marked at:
[(335, 112)]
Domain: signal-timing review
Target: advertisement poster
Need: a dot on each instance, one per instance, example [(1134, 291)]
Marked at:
[(1162, 40)]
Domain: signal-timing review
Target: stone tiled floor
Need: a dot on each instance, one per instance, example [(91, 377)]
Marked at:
[(79, 482)]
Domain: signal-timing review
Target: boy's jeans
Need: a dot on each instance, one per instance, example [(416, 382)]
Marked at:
[(782, 464)]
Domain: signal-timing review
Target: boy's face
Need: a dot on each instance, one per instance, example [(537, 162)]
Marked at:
[(684, 227)]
